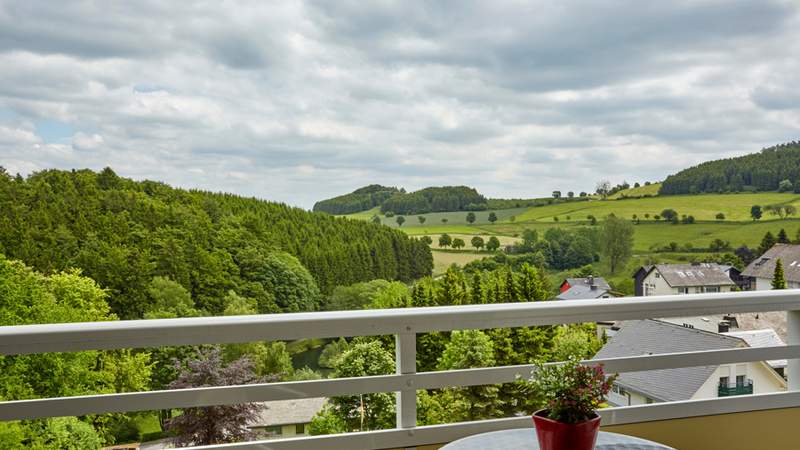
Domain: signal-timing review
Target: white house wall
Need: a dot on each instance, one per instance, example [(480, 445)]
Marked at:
[(765, 284), (765, 380), (659, 286)]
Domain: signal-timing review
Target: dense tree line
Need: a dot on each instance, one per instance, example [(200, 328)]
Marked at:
[(508, 203), (361, 199), (774, 168), (435, 199), (449, 350), (123, 234), (28, 297)]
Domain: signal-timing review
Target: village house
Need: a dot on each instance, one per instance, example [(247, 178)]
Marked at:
[(650, 337), (762, 269), (673, 279), (584, 288), (286, 418)]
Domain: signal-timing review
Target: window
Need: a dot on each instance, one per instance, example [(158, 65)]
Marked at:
[(617, 389), (723, 381), (300, 428), (740, 380), (648, 400), (683, 290), (712, 289), (272, 431), (658, 275)]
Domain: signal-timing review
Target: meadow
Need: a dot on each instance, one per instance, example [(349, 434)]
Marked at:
[(738, 228)]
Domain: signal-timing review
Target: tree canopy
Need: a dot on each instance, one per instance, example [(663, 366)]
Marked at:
[(770, 169), (123, 234)]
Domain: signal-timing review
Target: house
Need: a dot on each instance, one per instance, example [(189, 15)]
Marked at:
[(638, 280), (647, 337), (695, 278), (762, 269), (584, 288), (763, 338), (286, 418)]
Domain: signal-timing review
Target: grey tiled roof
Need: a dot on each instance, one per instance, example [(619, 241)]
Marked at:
[(288, 412), (762, 338), (640, 337), (705, 274), (582, 292), (600, 282), (764, 267)]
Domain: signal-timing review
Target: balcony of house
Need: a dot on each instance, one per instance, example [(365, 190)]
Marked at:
[(751, 419), (726, 390)]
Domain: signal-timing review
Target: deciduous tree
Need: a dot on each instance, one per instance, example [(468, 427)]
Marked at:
[(616, 241), (214, 424)]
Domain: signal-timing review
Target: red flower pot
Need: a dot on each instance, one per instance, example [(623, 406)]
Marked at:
[(555, 435)]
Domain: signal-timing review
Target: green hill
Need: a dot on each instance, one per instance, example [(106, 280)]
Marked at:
[(123, 233), (763, 171), (359, 200)]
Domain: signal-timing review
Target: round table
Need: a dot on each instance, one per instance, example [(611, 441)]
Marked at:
[(525, 439)]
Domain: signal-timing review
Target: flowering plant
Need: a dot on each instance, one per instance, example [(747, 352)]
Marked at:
[(572, 391)]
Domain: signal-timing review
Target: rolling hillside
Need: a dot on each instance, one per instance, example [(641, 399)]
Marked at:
[(762, 171), (737, 228)]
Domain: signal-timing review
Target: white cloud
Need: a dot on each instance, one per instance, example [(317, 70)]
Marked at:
[(294, 101)]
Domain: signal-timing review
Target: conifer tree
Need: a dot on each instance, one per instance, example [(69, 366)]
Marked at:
[(512, 288), (531, 288), (766, 243), (477, 293), (778, 278), (451, 288), (783, 238)]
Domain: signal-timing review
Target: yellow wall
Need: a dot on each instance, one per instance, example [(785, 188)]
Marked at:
[(771, 429), (756, 430)]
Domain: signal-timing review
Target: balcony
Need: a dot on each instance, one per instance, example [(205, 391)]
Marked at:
[(727, 390), (682, 424)]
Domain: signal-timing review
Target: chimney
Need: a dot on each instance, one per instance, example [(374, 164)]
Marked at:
[(724, 327), (732, 322)]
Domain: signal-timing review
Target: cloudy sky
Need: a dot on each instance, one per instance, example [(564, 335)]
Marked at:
[(296, 101)]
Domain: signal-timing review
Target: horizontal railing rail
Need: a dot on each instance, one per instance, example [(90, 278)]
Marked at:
[(404, 324), (70, 337)]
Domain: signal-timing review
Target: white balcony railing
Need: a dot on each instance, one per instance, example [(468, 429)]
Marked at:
[(405, 324)]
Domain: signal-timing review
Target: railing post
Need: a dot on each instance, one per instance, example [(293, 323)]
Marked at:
[(406, 364), (793, 335)]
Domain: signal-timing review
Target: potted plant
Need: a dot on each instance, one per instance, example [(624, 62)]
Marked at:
[(572, 392)]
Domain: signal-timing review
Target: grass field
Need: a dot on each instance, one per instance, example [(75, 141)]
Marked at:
[(442, 260), (651, 189), (435, 219), (736, 207), (504, 240)]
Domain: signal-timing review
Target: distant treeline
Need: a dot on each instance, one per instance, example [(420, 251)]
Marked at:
[(436, 199), (774, 168), (124, 233), (361, 199), (509, 203)]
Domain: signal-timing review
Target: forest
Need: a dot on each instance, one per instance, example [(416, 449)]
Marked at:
[(125, 234), (435, 199), (772, 169), (398, 201), (361, 199)]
